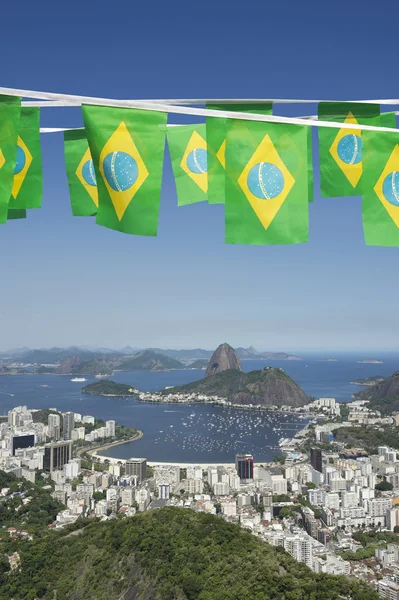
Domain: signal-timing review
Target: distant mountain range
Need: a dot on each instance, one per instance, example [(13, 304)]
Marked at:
[(55, 355)]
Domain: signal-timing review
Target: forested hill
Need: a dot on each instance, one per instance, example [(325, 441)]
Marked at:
[(106, 387), (265, 387), (166, 554)]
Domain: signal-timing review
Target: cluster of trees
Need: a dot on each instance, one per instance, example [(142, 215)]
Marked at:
[(167, 554), (34, 515), (368, 438)]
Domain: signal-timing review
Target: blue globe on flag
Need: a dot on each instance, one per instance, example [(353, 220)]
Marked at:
[(390, 188), (120, 170), (350, 149), (21, 160), (88, 173), (197, 161), (265, 181)]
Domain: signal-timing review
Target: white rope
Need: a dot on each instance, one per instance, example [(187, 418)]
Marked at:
[(72, 99), (202, 112)]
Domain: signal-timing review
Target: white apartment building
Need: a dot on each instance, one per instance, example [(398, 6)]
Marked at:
[(317, 497), (127, 496), (378, 507), (221, 488), (110, 428), (164, 491), (332, 500), (279, 484), (194, 472)]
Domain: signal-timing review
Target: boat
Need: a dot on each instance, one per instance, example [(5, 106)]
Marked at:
[(78, 379)]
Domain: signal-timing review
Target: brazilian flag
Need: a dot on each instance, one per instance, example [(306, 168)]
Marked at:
[(127, 147), (340, 150), (388, 119), (10, 108), (266, 183), (188, 151), (216, 132), (27, 187), (80, 173), (380, 201)]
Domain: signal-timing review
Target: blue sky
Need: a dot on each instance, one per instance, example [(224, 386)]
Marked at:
[(67, 281)]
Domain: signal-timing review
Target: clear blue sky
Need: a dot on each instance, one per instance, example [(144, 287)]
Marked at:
[(67, 281)]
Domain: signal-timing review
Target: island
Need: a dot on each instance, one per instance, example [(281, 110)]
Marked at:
[(106, 387), (370, 361), (368, 381)]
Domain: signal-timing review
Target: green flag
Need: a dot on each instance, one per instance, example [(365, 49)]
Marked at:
[(388, 119), (81, 175), (266, 183), (127, 146), (340, 150), (188, 152), (16, 213), (10, 108), (310, 164), (27, 187), (216, 131), (380, 202)]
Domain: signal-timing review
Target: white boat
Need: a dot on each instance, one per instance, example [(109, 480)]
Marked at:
[(78, 379)]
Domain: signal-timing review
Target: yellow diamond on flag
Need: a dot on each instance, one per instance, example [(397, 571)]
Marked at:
[(266, 181), (221, 154), (387, 186), (195, 161), (346, 150), (24, 161), (122, 168), (2, 159), (87, 177)]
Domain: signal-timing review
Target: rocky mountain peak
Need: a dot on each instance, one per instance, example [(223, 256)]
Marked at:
[(223, 359)]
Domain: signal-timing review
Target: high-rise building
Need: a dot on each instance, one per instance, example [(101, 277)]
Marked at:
[(54, 426), (68, 421), (164, 491), (138, 467), (22, 441), (316, 459), (56, 455), (245, 467), (110, 428)]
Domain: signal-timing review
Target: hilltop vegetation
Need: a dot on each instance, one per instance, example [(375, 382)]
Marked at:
[(106, 387), (268, 387), (167, 554), (368, 438)]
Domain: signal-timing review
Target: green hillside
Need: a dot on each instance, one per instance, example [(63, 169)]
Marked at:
[(167, 554), (106, 387), (268, 387)]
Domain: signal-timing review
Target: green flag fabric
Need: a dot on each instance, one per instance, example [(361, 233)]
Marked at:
[(80, 173), (216, 132), (27, 187), (10, 108), (340, 150), (188, 152), (16, 213), (127, 147), (380, 202), (266, 183), (310, 164), (388, 119)]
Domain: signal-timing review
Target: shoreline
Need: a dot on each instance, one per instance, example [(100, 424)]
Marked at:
[(93, 451)]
